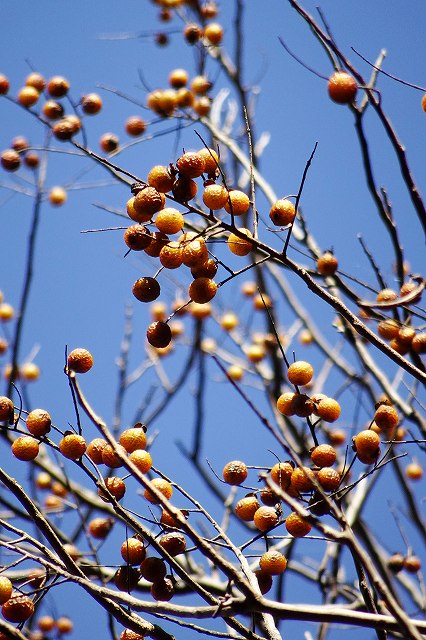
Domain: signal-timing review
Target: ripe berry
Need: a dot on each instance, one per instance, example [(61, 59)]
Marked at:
[(35, 80), (202, 290), (133, 438), (269, 497), (174, 543), (100, 527), (58, 87), (115, 486), (414, 471), (300, 372), (141, 459), (282, 212), (329, 478), (367, 446), (153, 569), (169, 220), (28, 96), (235, 472), (29, 371), (137, 237), (192, 33), (146, 289), (18, 608), (207, 269), (246, 508), (64, 625), (163, 590), (418, 343), (238, 202), (342, 87), (25, 448), (202, 106), (302, 405), (133, 551), (57, 196), (53, 110), (6, 409), (191, 165), (109, 142), (72, 446), (386, 295), (169, 520), (91, 104), (6, 589), (19, 143), (10, 160), (265, 518), (328, 409), (215, 196), (412, 564), (211, 160), (46, 624), (285, 403), (235, 372), (237, 245), (80, 360), (159, 334), (171, 255), (64, 129), (213, 32), (95, 448), (386, 417), (273, 562), (184, 189), (297, 526), (388, 329), (281, 474), (111, 457), (324, 455), (327, 264), (301, 479), (396, 562), (126, 578), (38, 422), (161, 179), (163, 486), (4, 84), (264, 581), (194, 253)]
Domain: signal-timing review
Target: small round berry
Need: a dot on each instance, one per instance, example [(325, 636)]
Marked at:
[(178, 78), (237, 203), (153, 569), (129, 634), (4, 84), (342, 87), (169, 220), (184, 189), (324, 455), (18, 608), (211, 161), (6, 589), (215, 196), (20, 143), (273, 562), (141, 459), (29, 371), (386, 417), (237, 245), (424, 103), (300, 372), (388, 329), (285, 403), (146, 289), (95, 448), (414, 471), (302, 405), (46, 624), (327, 264), (64, 625), (159, 334), (213, 32), (53, 110), (133, 551), (99, 528), (200, 85), (281, 474), (72, 446), (57, 196), (109, 142), (161, 179), (58, 87), (25, 448), (174, 543), (406, 335), (192, 33), (195, 253), (133, 438), (6, 409), (91, 104), (329, 478), (235, 472), (328, 409), (163, 486), (202, 106), (163, 590), (80, 360), (137, 237), (264, 581), (35, 80), (296, 526), (367, 444), (337, 437), (301, 479), (229, 321), (202, 290), (28, 96), (282, 212), (10, 160), (235, 372), (64, 129), (396, 562), (418, 343), (126, 578), (265, 518), (386, 295), (246, 508), (207, 269), (191, 165), (38, 422), (412, 564), (135, 126), (111, 457), (171, 255), (115, 486)]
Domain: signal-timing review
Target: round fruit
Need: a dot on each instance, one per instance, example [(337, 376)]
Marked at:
[(35, 80), (191, 165), (28, 96), (133, 551), (178, 78), (237, 203), (25, 448), (159, 334), (297, 526), (4, 84), (163, 590), (18, 608), (396, 562), (246, 508), (215, 196), (109, 142), (202, 290), (161, 179), (301, 479), (282, 212), (194, 253), (192, 33), (6, 409), (80, 360), (135, 126), (327, 264), (133, 438), (141, 459), (64, 129), (171, 255), (300, 372), (388, 329), (72, 446), (237, 245), (100, 527), (53, 110), (6, 589), (10, 160), (202, 106), (153, 569), (29, 371), (58, 87), (146, 289), (412, 564), (281, 474), (342, 87), (328, 409), (174, 543), (285, 403), (386, 417), (57, 196), (163, 486), (184, 189), (126, 578), (115, 486), (235, 472), (95, 448), (418, 343), (91, 104), (265, 518), (367, 446), (200, 85), (324, 455), (137, 237), (38, 422), (329, 478), (264, 581), (169, 220), (111, 457), (211, 161), (386, 295), (129, 634), (273, 562), (207, 269), (64, 625), (414, 471), (46, 623)]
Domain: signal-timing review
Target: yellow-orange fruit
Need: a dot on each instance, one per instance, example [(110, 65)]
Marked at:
[(100, 527), (213, 32), (211, 160), (327, 264), (38, 422), (281, 474), (202, 290), (386, 417), (328, 409), (329, 478), (169, 220), (324, 455), (133, 551), (58, 87), (28, 96), (72, 446), (163, 486), (25, 448), (18, 608), (191, 165), (300, 372), (238, 246), (160, 178), (6, 589), (80, 360), (95, 448), (246, 508), (237, 203), (265, 518), (235, 472), (133, 438), (282, 212), (297, 526), (6, 408), (273, 562), (141, 459), (301, 479), (135, 126), (215, 196), (342, 87), (285, 403)]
